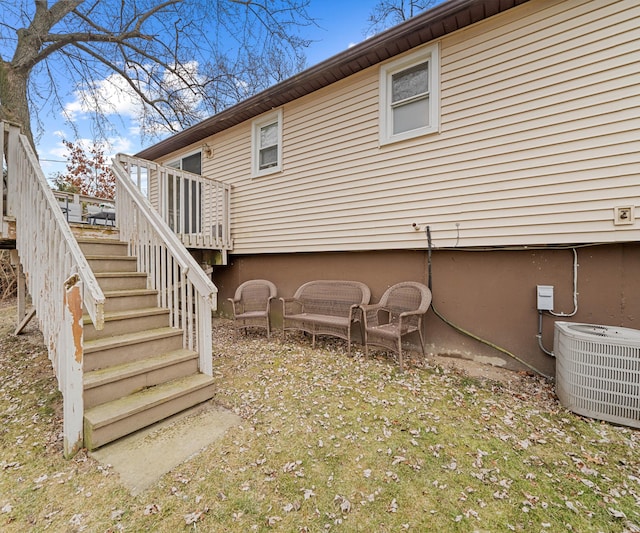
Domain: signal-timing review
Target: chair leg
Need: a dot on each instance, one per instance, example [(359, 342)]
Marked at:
[(400, 354), (421, 341)]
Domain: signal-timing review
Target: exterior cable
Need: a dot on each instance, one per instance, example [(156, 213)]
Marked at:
[(464, 331)]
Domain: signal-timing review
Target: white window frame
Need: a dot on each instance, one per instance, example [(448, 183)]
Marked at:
[(429, 54), (172, 198), (177, 163), (256, 126)]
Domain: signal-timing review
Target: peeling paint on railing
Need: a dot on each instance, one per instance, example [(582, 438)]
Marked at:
[(73, 302), (58, 275)]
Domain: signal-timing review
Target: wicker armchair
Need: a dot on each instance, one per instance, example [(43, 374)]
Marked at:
[(398, 313), (252, 305)]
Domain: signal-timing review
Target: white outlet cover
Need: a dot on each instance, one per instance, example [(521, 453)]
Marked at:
[(619, 219)]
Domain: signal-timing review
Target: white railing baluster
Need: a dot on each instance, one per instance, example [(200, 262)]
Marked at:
[(189, 312), (175, 291)]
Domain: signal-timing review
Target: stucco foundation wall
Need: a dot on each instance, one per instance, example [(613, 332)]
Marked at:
[(491, 293)]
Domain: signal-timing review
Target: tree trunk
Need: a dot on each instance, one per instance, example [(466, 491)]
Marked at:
[(14, 104)]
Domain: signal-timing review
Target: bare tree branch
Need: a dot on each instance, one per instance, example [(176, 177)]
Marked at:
[(387, 13), (182, 59)]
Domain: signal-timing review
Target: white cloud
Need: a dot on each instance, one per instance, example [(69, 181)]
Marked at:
[(109, 96), (114, 96), (120, 145), (58, 150)]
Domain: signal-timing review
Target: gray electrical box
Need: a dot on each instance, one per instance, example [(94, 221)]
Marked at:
[(545, 297)]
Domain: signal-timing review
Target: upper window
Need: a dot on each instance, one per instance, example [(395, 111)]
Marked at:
[(190, 163), (267, 144), (409, 96)]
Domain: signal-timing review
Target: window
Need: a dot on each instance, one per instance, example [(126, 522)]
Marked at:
[(190, 163), (267, 144), (184, 196), (409, 96)]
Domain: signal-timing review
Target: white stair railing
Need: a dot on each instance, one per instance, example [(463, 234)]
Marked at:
[(182, 285), (60, 280), (195, 207)]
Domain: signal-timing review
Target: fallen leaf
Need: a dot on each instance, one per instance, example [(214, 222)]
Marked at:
[(615, 513), (192, 518)]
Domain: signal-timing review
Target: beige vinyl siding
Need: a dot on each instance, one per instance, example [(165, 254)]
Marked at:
[(539, 141)]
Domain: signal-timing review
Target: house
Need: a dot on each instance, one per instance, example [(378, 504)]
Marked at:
[(510, 129), (490, 148)]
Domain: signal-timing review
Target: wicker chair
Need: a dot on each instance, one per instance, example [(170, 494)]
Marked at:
[(398, 313), (252, 305)]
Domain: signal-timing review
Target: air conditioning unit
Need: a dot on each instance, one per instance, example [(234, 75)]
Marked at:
[(598, 371)]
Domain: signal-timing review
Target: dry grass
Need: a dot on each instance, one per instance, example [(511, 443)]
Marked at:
[(331, 443)]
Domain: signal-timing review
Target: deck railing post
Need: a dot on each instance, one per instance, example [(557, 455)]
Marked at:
[(70, 371), (13, 135)]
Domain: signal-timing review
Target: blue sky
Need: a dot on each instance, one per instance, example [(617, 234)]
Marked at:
[(341, 23)]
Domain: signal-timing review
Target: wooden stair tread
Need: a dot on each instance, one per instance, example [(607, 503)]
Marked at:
[(132, 313), (127, 339), (97, 378), (130, 292), (100, 240), (103, 257), (120, 274), (133, 379), (110, 412)]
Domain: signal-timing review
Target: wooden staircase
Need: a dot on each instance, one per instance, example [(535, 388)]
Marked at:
[(136, 370)]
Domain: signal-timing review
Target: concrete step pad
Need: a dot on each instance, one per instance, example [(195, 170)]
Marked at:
[(108, 384), (128, 321), (120, 349), (110, 421)]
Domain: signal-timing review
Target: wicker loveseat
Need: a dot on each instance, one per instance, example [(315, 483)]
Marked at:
[(325, 307)]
